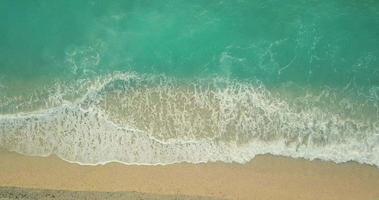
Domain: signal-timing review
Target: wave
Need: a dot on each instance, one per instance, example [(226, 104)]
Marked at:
[(149, 120)]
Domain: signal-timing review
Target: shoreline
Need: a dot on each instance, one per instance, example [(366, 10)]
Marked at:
[(265, 177), (117, 162)]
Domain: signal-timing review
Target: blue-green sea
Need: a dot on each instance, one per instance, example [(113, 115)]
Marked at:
[(161, 82)]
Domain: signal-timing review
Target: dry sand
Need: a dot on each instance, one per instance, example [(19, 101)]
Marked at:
[(11, 193), (266, 177)]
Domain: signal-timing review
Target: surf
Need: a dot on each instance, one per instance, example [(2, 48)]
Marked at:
[(149, 119)]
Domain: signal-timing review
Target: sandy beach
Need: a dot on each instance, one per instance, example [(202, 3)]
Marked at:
[(10, 193), (265, 177)]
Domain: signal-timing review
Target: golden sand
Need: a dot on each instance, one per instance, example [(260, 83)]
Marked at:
[(266, 177)]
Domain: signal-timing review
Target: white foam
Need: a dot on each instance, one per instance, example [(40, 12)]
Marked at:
[(154, 120)]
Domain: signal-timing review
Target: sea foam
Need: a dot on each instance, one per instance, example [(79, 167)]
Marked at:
[(149, 120)]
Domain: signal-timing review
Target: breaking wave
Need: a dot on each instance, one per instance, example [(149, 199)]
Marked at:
[(145, 119)]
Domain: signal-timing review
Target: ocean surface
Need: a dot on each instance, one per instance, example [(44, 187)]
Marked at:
[(160, 82)]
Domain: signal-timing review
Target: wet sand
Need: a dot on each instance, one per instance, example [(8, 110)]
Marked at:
[(265, 177)]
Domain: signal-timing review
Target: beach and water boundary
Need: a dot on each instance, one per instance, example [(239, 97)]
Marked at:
[(247, 99), (94, 142)]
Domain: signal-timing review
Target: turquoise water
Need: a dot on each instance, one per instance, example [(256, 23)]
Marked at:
[(159, 82)]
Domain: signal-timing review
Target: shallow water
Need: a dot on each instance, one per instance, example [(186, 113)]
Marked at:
[(144, 82)]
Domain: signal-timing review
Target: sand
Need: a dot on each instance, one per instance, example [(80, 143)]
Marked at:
[(10, 193), (265, 177)]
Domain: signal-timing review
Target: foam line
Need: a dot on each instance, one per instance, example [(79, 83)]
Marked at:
[(155, 120)]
